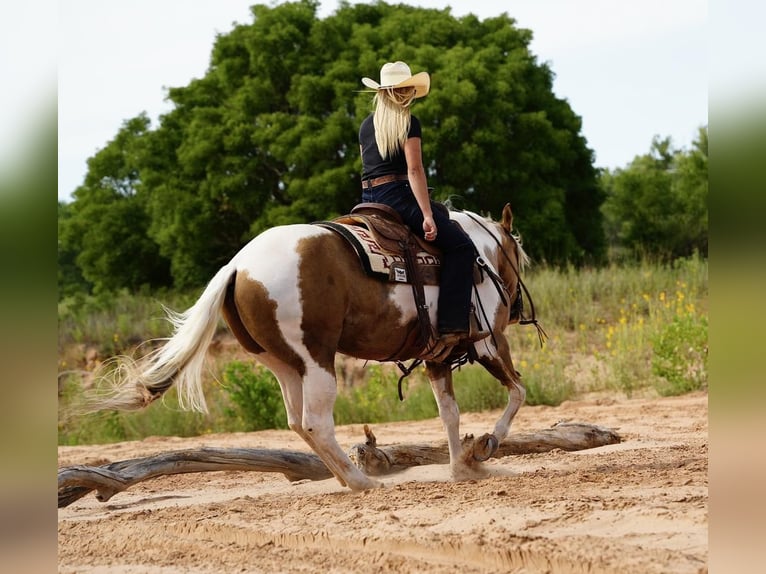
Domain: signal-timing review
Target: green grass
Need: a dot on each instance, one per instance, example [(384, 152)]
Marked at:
[(604, 326), (114, 323), (623, 329), (377, 399), (162, 418)]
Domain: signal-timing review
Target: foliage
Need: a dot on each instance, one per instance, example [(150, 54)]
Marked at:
[(376, 399), (105, 229), (626, 329), (604, 323), (476, 390), (70, 277), (268, 136), (113, 322), (162, 418), (680, 354), (256, 393), (657, 206)]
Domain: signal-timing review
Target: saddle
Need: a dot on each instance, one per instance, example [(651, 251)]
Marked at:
[(384, 243), (389, 251)]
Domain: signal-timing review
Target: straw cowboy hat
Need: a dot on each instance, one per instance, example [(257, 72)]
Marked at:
[(398, 75)]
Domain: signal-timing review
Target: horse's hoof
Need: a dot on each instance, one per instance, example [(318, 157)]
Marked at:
[(365, 483), (485, 447)]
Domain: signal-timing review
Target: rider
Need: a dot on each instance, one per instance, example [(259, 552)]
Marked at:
[(393, 174)]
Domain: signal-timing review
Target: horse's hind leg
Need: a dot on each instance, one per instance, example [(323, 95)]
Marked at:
[(308, 411), (319, 392), (291, 385)]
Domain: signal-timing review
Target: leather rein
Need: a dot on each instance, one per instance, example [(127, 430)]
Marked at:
[(541, 334), (502, 290)]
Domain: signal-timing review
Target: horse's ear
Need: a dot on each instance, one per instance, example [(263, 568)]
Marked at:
[(507, 221)]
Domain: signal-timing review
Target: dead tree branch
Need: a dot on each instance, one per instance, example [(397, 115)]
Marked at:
[(74, 482)]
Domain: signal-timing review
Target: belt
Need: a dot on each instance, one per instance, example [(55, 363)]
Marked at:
[(368, 183)]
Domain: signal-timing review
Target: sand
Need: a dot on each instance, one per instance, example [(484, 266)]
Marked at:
[(639, 506)]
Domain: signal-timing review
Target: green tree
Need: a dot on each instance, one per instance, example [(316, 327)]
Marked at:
[(690, 186), (269, 135), (70, 279), (106, 225), (657, 206)]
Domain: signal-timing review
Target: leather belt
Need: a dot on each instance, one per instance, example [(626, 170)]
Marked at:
[(374, 182)]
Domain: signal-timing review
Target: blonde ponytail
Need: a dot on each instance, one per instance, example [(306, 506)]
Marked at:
[(392, 119)]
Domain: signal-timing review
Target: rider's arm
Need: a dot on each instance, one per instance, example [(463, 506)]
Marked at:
[(417, 177)]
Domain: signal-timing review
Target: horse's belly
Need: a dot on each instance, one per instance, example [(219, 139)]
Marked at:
[(384, 322)]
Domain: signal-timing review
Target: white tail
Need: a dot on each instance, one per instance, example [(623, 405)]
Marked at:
[(179, 361)]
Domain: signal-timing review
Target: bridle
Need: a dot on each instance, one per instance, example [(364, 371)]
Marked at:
[(521, 287)]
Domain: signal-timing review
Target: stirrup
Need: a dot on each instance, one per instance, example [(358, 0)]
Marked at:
[(475, 332), (477, 335), (442, 348)]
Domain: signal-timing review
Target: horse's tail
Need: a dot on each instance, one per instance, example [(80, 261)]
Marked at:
[(136, 384)]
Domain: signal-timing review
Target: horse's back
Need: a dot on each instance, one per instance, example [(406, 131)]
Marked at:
[(274, 244), (303, 285)]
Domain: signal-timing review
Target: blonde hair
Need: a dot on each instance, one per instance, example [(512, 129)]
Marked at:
[(392, 119)]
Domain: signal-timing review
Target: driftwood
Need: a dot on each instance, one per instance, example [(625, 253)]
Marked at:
[(74, 482), (566, 436)]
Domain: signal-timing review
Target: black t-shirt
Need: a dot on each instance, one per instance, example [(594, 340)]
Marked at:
[(372, 164)]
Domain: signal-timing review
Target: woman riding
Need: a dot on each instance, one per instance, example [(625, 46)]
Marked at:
[(393, 174)]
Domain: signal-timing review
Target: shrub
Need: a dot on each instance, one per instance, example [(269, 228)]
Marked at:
[(115, 322), (627, 329), (257, 395), (680, 355), (377, 399), (162, 418), (476, 390)]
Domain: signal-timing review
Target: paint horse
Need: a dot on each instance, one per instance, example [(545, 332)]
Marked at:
[(296, 295)]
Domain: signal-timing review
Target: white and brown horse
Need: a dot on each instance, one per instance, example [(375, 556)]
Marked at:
[(295, 296)]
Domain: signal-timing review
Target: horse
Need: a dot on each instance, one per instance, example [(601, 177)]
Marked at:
[(295, 296)]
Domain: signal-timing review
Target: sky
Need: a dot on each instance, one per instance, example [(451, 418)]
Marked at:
[(630, 69)]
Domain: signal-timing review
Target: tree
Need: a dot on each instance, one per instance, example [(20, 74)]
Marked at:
[(269, 135), (657, 206), (106, 226), (70, 279)]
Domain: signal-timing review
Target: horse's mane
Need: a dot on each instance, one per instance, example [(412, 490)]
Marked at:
[(524, 260)]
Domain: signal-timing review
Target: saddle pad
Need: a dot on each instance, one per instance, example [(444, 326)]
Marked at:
[(380, 263)]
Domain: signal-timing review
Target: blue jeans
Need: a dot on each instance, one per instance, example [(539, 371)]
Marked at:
[(456, 278)]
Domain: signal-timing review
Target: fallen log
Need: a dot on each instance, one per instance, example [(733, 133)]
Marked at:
[(74, 482), (566, 436)]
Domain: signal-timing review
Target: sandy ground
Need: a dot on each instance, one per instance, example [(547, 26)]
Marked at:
[(640, 506)]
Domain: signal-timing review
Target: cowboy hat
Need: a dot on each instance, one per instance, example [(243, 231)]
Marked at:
[(398, 75)]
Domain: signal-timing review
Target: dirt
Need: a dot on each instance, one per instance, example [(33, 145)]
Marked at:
[(639, 506)]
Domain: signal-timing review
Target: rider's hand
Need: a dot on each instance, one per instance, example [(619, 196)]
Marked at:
[(429, 228)]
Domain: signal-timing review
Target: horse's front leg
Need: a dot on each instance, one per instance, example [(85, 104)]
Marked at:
[(501, 367), (463, 465)]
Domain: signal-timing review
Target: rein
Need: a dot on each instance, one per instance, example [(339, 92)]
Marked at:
[(541, 334), (502, 289)]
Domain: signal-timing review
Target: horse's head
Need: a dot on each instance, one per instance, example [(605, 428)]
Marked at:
[(511, 261), (498, 244)]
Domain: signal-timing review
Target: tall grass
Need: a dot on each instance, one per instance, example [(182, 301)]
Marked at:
[(162, 418), (605, 325), (112, 323), (630, 329)]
